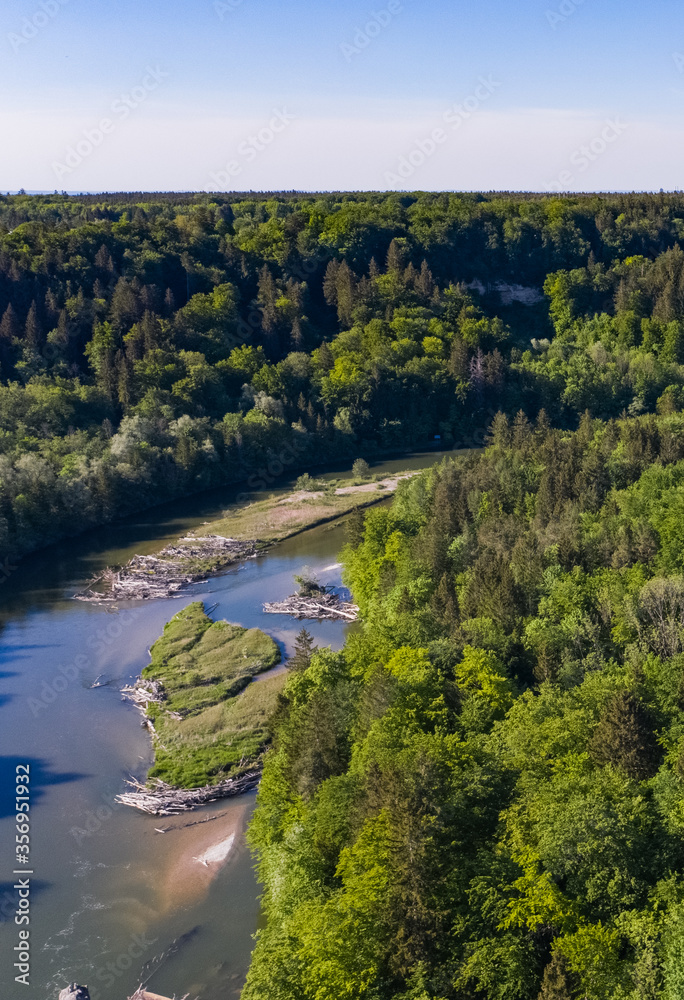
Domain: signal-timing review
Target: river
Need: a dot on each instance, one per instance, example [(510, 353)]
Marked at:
[(113, 902)]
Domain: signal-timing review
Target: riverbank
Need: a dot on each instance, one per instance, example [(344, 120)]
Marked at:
[(278, 518), (238, 535), (106, 873)]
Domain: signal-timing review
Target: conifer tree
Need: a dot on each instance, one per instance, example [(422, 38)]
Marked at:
[(396, 257), (330, 283), (624, 737), (267, 298), (33, 329), (346, 286), (425, 284), (104, 262), (304, 650), (558, 982), (9, 325)]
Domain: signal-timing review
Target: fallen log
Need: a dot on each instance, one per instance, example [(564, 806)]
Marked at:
[(161, 799), (146, 578), (144, 693), (322, 607), (146, 995)]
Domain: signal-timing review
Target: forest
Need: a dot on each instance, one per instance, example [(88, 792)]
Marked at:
[(155, 345), (482, 795)]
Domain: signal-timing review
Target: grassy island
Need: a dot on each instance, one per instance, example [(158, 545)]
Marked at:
[(211, 721)]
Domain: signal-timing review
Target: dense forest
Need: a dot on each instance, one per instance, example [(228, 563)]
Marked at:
[(482, 796), (153, 345)]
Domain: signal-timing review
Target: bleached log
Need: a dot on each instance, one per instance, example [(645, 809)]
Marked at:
[(166, 574), (165, 800), (322, 607), (144, 693)]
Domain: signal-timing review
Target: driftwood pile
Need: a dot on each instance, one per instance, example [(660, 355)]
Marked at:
[(165, 800), (146, 995), (145, 578), (324, 605), (75, 992), (144, 693)]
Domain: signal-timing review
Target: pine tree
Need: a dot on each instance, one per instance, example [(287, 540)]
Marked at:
[(476, 372), (104, 262), (123, 368), (346, 286), (522, 430), (267, 298), (125, 307), (149, 298), (542, 426), (494, 369), (396, 256), (458, 362), (330, 283), (9, 325), (304, 650), (425, 284), (443, 601), (624, 737), (63, 328), (326, 358), (33, 329), (558, 982), (500, 431), (355, 527), (411, 276)]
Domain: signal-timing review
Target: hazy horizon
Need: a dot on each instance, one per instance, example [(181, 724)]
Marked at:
[(552, 95)]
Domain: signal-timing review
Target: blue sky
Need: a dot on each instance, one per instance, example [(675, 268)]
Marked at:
[(536, 94)]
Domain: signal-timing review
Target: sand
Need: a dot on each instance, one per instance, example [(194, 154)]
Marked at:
[(177, 867)]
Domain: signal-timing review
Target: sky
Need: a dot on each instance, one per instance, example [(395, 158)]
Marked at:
[(216, 95)]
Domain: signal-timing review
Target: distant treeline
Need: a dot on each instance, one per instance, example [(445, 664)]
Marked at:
[(153, 345)]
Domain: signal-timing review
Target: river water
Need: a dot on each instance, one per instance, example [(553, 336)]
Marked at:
[(114, 902)]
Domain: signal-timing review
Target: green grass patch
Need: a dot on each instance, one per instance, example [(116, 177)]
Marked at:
[(207, 671)]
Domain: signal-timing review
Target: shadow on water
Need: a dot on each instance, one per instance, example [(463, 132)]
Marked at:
[(41, 777), (12, 654), (9, 897)]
